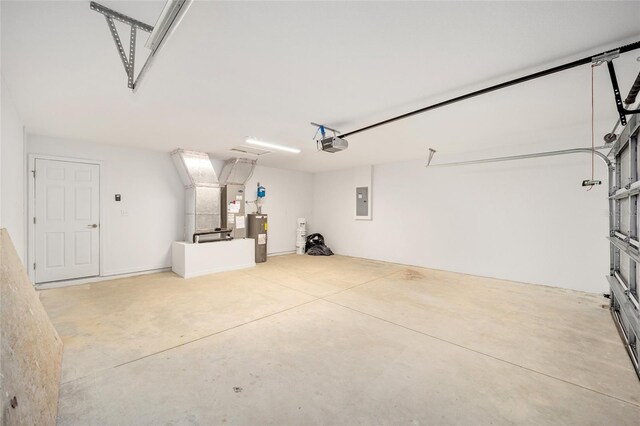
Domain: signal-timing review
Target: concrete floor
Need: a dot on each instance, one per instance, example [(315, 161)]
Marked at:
[(337, 340)]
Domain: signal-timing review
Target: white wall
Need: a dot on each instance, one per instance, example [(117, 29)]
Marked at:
[(289, 195), (12, 173), (527, 221), (153, 202), (137, 232)]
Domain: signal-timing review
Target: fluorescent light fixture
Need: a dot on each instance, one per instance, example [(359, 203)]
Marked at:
[(256, 142)]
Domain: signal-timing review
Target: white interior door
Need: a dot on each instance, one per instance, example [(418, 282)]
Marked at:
[(67, 213)]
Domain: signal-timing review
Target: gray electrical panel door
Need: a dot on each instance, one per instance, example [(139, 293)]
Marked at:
[(362, 201), (257, 229), (624, 237)]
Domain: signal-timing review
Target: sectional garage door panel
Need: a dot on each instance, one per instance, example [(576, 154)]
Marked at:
[(624, 245)]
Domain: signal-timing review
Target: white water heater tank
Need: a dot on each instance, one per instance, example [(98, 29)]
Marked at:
[(301, 235)]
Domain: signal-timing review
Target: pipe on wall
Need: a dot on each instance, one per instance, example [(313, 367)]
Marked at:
[(600, 155)]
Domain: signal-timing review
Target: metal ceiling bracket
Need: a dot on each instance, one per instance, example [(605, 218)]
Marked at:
[(622, 111), (605, 57), (120, 17), (116, 39), (431, 154), (110, 15), (325, 127), (608, 57), (616, 93), (132, 57)]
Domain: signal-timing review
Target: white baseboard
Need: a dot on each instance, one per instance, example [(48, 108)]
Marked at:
[(88, 280), (281, 253), (135, 270), (112, 275)]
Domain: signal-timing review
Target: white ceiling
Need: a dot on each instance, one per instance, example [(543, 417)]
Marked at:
[(238, 69)]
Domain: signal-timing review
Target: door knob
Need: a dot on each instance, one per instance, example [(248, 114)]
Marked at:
[(95, 225)]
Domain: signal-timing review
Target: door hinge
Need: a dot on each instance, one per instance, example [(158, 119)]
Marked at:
[(34, 173), (34, 220), (34, 266)]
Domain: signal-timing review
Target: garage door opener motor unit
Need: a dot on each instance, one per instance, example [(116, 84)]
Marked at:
[(332, 143)]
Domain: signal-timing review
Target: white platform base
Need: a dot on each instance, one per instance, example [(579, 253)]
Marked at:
[(193, 260)]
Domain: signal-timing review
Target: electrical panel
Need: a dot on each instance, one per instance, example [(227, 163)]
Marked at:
[(362, 183), (362, 201)]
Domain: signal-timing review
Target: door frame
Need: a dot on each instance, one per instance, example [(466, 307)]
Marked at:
[(31, 211)]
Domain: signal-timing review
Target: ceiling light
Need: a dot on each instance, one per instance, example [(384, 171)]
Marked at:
[(256, 142)]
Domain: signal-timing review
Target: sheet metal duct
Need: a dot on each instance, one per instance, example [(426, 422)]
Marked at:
[(194, 168), (237, 171), (202, 195)]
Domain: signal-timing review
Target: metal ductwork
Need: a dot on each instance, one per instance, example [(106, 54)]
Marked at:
[(203, 215), (237, 171)]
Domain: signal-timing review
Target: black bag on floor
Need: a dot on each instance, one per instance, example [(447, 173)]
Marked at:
[(315, 246), (319, 250), (314, 240)]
